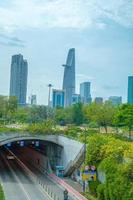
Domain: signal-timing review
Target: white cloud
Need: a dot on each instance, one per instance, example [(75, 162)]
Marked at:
[(24, 14)]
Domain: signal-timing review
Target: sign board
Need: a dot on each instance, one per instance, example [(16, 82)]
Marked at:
[(89, 176), (60, 171), (89, 173)]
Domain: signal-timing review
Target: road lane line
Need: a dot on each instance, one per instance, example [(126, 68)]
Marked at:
[(31, 174), (18, 180)]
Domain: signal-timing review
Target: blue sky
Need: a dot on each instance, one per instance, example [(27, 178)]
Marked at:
[(43, 31)]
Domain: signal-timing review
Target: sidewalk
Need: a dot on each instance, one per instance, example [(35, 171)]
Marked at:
[(74, 192), (74, 184)]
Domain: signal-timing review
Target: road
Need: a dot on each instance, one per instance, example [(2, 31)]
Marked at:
[(16, 184), (54, 188)]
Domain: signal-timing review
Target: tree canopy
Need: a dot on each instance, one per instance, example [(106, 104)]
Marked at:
[(124, 117)]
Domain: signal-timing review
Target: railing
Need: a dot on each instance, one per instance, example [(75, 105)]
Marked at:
[(74, 193), (35, 179), (74, 162)]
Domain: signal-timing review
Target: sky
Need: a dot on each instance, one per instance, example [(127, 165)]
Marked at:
[(43, 31)]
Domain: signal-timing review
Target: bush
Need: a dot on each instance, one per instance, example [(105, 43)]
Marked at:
[(94, 145), (2, 197), (113, 157), (93, 187), (72, 131)]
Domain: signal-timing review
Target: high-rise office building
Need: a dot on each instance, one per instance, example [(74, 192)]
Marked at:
[(98, 100), (69, 77), (76, 98), (130, 90), (58, 98), (33, 99), (85, 92), (115, 100), (18, 78)]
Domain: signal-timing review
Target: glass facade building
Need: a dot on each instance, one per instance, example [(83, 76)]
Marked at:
[(115, 100), (18, 78), (76, 98), (69, 77), (130, 90), (85, 92), (58, 98), (98, 100)]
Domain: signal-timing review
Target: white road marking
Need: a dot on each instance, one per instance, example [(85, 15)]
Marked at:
[(18, 180), (32, 175)]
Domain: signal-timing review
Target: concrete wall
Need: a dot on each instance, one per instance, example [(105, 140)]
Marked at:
[(71, 149)]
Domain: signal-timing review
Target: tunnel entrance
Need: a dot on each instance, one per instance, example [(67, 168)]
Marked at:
[(43, 155)]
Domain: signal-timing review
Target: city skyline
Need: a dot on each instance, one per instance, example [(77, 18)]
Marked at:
[(69, 61), (101, 32)]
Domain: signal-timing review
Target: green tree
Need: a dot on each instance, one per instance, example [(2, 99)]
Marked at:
[(37, 114), (21, 115), (60, 115), (77, 113), (64, 115), (124, 117), (3, 108), (94, 145), (11, 107), (12, 104), (102, 114), (117, 184)]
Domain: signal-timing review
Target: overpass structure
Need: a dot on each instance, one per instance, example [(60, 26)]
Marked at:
[(61, 150)]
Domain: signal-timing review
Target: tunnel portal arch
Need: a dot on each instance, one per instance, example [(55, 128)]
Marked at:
[(72, 153)]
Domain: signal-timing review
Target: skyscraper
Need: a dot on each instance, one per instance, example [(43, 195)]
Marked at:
[(115, 100), (58, 98), (69, 77), (130, 90), (85, 92), (18, 78), (98, 100)]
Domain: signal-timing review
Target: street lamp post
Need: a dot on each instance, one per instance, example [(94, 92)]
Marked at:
[(49, 93), (84, 183), (85, 146)]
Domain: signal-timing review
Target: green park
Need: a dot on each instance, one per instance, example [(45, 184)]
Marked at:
[(106, 130)]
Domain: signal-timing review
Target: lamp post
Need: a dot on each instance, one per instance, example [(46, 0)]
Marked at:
[(49, 93), (85, 145), (84, 183)]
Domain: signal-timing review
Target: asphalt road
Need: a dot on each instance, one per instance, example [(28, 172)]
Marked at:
[(54, 188), (16, 184)]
